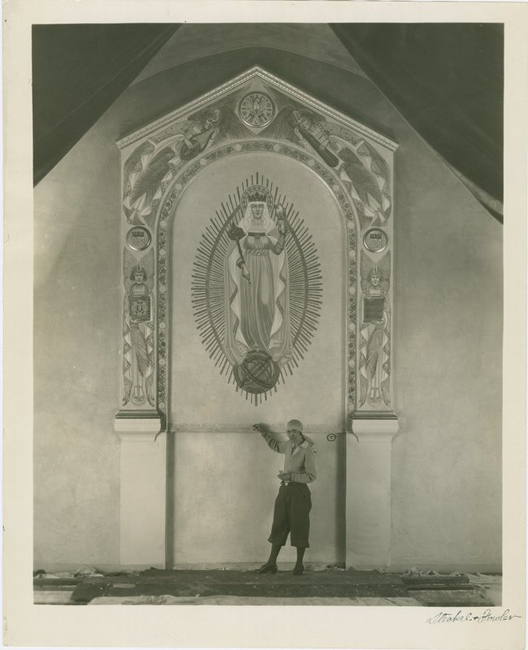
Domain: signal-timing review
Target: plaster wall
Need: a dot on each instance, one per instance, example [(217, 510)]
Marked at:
[(225, 486), (76, 325), (446, 463)]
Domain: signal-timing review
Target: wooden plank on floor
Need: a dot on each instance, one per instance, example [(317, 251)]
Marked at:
[(440, 579), (452, 598), (439, 587), (52, 598), (41, 582), (309, 590), (255, 601)]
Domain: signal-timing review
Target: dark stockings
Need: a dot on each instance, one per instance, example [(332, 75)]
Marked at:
[(271, 564), (300, 555), (275, 550)]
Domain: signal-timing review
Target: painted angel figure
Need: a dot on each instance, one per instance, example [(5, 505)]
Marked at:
[(305, 128), (310, 128), (375, 332), (144, 172), (138, 330), (208, 127), (199, 134), (256, 285), (369, 176)]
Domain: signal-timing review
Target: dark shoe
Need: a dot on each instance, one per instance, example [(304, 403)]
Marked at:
[(267, 568), (298, 570)]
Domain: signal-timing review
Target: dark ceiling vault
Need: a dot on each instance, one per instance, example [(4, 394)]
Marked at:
[(78, 72), (445, 79)]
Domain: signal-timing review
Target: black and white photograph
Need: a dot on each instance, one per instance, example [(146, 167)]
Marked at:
[(268, 332)]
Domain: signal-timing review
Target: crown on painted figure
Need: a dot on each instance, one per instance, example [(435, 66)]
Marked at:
[(257, 196)]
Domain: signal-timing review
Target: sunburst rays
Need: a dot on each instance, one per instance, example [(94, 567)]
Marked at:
[(208, 286)]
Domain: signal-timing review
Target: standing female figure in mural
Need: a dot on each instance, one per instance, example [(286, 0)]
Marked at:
[(256, 286), (291, 515), (138, 358)]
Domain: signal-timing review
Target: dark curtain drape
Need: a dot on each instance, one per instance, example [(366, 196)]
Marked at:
[(78, 72), (447, 81)]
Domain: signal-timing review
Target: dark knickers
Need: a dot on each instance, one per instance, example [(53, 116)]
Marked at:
[(292, 514)]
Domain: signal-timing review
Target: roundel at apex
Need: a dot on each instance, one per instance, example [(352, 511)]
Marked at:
[(256, 288)]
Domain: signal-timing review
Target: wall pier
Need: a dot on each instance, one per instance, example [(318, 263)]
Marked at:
[(368, 492), (143, 491)]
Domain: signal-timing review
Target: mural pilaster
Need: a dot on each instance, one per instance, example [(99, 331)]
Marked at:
[(138, 373), (375, 323)]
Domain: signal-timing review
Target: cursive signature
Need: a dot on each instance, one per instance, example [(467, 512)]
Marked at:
[(486, 617)]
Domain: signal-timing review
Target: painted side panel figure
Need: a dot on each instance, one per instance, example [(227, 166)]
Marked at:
[(138, 330), (375, 332)]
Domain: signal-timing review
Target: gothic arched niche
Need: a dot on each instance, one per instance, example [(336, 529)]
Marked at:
[(256, 125)]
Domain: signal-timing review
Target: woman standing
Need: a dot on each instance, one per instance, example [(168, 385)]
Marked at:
[(293, 503)]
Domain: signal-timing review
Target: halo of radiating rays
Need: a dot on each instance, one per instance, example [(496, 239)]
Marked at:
[(208, 284)]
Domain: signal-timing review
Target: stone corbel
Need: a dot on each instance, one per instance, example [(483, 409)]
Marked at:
[(375, 427), (139, 426)]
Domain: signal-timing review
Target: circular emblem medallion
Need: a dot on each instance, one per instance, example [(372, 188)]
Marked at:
[(138, 238), (257, 373), (375, 240), (257, 110)]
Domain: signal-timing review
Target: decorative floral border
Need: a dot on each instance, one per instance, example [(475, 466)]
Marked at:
[(162, 228)]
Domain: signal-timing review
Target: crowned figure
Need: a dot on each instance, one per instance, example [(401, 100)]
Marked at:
[(375, 332), (256, 282), (138, 358)]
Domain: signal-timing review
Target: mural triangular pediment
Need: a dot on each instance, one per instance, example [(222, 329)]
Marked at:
[(256, 103)]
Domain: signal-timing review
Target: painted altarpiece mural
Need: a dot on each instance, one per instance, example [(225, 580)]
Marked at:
[(255, 282)]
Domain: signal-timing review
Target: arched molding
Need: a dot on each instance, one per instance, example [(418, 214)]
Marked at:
[(163, 226)]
